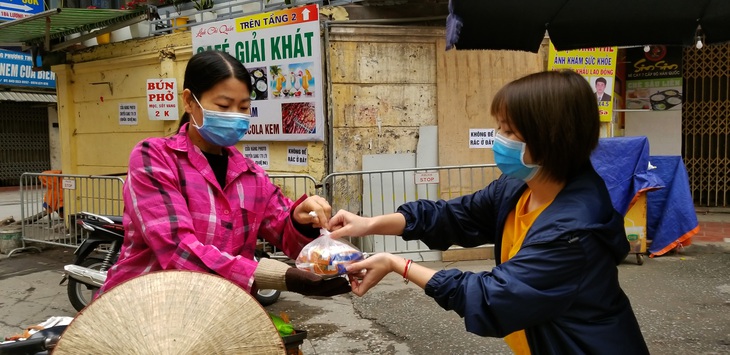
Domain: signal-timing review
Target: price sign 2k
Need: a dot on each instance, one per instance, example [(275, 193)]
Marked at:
[(162, 99)]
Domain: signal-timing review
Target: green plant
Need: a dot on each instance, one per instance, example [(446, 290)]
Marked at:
[(178, 5), (203, 4)]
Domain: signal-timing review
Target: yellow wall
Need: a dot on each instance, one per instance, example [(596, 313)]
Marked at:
[(100, 78), (383, 89)]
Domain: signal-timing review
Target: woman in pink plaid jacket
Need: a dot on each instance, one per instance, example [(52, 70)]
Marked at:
[(194, 202)]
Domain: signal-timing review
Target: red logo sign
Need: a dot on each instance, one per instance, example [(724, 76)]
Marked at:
[(222, 29)]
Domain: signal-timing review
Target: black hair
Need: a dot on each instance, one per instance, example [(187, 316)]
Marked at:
[(601, 80), (206, 69), (556, 114)]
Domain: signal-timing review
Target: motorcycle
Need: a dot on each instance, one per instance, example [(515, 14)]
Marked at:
[(88, 272), (40, 343), (265, 297)]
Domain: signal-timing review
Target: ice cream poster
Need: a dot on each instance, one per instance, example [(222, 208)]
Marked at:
[(282, 52), (597, 66), (654, 78)]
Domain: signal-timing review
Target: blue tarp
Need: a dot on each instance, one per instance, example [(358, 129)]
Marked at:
[(623, 163), (671, 216)]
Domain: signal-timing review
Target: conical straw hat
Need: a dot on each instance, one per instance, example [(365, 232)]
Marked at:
[(172, 312)]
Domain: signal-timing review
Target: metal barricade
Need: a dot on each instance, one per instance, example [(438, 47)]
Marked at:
[(49, 203), (378, 192), (292, 186)]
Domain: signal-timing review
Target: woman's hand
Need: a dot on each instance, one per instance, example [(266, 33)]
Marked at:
[(365, 274), (321, 208), (348, 224)]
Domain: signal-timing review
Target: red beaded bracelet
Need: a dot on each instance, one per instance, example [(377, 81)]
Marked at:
[(405, 271)]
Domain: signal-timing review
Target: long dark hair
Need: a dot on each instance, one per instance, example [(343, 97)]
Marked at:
[(206, 69)]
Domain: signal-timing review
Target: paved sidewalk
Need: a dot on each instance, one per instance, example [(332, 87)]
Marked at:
[(681, 302), (9, 203), (714, 227)]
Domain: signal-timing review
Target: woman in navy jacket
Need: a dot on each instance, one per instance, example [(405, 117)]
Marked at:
[(558, 239)]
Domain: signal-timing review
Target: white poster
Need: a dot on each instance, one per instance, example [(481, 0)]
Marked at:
[(162, 99), (259, 153), (68, 184), (282, 52), (425, 178), (296, 155), (481, 137), (128, 114)]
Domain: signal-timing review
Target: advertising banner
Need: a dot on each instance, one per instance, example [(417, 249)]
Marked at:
[(654, 78), (597, 65), (16, 69), (282, 51), (17, 9)]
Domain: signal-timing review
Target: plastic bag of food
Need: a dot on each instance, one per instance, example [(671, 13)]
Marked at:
[(327, 257)]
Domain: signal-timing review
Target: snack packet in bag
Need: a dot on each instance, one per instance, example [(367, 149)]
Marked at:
[(327, 257)]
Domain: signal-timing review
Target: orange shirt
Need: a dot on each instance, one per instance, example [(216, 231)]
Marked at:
[(53, 199), (516, 226)]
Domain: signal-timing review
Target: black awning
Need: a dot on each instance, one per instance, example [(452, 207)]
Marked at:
[(573, 24), (716, 22), (500, 24)]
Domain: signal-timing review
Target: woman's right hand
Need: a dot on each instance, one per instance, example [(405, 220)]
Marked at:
[(348, 224)]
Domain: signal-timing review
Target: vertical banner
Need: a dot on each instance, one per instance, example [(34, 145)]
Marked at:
[(654, 78), (282, 51), (597, 65)]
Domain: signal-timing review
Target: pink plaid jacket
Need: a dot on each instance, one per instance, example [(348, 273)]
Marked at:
[(177, 217)]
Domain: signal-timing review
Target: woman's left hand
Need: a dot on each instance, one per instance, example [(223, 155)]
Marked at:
[(365, 274), (319, 206)]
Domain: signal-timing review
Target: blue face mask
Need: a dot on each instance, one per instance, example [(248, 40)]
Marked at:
[(509, 156), (222, 128)]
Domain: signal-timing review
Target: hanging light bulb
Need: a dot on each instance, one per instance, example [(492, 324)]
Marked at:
[(699, 43), (647, 48)]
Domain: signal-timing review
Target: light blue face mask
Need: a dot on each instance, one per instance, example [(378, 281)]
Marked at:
[(509, 156), (222, 128)]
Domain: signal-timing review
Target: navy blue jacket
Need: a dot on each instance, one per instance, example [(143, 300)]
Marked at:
[(561, 287)]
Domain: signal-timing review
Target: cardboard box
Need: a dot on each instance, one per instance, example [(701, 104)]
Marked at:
[(457, 253)]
